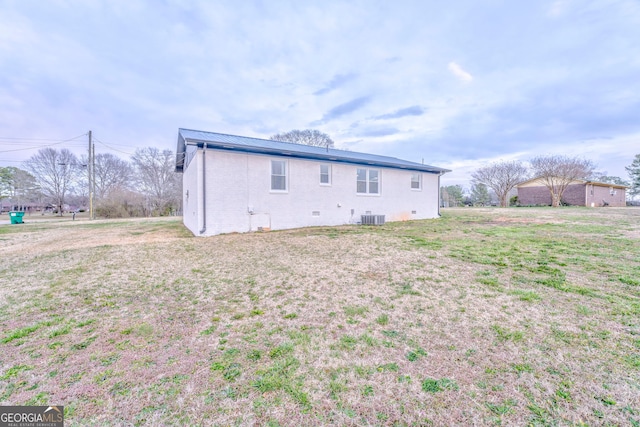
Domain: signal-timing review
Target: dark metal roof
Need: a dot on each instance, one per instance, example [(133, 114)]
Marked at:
[(265, 146)]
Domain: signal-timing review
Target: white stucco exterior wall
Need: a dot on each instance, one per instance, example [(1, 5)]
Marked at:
[(239, 196), (192, 194)]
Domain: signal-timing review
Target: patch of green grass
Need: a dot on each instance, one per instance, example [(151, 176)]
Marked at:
[(416, 354), (503, 408), (211, 329), (407, 289), (254, 355), (627, 280), (391, 334), (103, 376), (355, 310), (504, 334), (299, 337), (368, 340), (61, 331), (290, 316), (367, 391), (382, 320), (431, 385), (608, 401), (84, 344), (389, 367), (40, 399), (14, 371), (347, 342), (280, 376), (336, 387), (109, 359), (232, 371), (522, 295), (520, 368), (632, 361), (281, 350), (421, 242), (20, 333), (486, 277)]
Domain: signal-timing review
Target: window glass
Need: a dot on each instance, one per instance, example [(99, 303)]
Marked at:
[(368, 181), (278, 175), (325, 175), (362, 181), (373, 181), (415, 181)]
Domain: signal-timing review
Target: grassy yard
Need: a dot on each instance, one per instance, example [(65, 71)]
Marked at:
[(482, 317)]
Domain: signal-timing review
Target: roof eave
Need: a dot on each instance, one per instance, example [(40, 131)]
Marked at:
[(330, 156)]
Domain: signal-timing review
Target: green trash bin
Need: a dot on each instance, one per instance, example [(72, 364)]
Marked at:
[(16, 217)]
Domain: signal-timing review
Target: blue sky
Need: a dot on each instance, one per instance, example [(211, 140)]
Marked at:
[(457, 84)]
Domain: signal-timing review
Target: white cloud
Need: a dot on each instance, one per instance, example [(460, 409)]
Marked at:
[(557, 8), (459, 72)]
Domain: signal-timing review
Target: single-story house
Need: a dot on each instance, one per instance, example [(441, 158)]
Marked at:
[(240, 184), (579, 193)]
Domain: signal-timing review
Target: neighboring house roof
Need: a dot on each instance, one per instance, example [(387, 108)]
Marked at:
[(265, 146), (577, 181)]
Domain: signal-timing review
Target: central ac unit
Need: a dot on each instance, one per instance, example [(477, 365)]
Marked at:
[(372, 220)]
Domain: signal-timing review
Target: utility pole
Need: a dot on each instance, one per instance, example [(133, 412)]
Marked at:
[(93, 178), (90, 172)]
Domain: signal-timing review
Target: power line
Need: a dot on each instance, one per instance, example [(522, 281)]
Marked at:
[(39, 146), (111, 148)]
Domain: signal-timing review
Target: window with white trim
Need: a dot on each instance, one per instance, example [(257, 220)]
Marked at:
[(278, 175), (325, 174), (416, 181), (367, 181)]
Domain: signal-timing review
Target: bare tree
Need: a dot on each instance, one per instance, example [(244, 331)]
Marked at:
[(54, 172), (157, 179), (307, 137), (557, 172), (112, 173), (501, 177)]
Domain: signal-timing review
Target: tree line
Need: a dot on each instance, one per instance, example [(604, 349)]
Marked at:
[(495, 183), (145, 185), (58, 180)]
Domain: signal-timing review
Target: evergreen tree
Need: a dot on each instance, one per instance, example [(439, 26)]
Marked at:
[(634, 173), (480, 194)]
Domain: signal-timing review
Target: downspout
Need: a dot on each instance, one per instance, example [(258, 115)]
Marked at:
[(439, 201), (204, 188)]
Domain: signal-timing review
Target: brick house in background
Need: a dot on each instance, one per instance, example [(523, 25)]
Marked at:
[(578, 193)]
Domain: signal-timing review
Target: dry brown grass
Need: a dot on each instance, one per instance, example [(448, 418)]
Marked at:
[(483, 317)]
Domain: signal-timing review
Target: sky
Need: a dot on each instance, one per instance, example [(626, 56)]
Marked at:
[(458, 84)]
